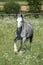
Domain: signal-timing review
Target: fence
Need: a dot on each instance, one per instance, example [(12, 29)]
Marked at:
[(27, 14)]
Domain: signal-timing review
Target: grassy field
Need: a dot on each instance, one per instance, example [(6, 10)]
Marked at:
[(7, 35)]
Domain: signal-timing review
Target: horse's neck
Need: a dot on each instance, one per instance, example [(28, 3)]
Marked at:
[(22, 25)]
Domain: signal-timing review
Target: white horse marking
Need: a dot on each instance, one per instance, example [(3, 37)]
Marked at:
[(15, 47), (19, 22)]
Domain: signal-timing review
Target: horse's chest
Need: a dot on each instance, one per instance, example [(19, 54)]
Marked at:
[(19, 24), (19, 32)]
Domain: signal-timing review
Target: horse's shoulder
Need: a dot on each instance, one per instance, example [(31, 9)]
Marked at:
[(27, 23)]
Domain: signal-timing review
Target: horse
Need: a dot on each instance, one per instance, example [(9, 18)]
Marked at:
[(24, 31)]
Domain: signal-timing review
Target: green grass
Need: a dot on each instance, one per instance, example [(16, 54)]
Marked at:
[(7, 35)]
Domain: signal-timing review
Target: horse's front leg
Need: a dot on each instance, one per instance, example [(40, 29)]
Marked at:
[(15, 46), (22, 43)]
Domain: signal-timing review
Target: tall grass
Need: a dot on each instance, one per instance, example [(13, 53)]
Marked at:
[(7, 35)]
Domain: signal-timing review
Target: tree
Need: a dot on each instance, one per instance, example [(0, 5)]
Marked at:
[(11, 8), (35, 5)]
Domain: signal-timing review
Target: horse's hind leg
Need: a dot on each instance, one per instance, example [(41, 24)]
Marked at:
[(31, 37)]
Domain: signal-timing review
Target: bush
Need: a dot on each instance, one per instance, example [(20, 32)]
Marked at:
[(35, 5), (11, 8)]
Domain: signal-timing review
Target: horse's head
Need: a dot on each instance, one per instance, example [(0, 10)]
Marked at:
[(19, 19)]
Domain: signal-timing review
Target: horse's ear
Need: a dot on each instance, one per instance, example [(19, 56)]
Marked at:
[(22, 15)]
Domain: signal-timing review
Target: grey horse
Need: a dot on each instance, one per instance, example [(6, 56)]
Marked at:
[(24, 31)]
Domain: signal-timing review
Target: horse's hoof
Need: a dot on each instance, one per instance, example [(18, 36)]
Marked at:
[(20, 52), (16, 52)]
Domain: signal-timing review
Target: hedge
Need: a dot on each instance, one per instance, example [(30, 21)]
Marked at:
[(11, 8)]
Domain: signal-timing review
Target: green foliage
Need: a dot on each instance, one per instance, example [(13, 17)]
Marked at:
[(7, 35), (11, 7), (35, 5)]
